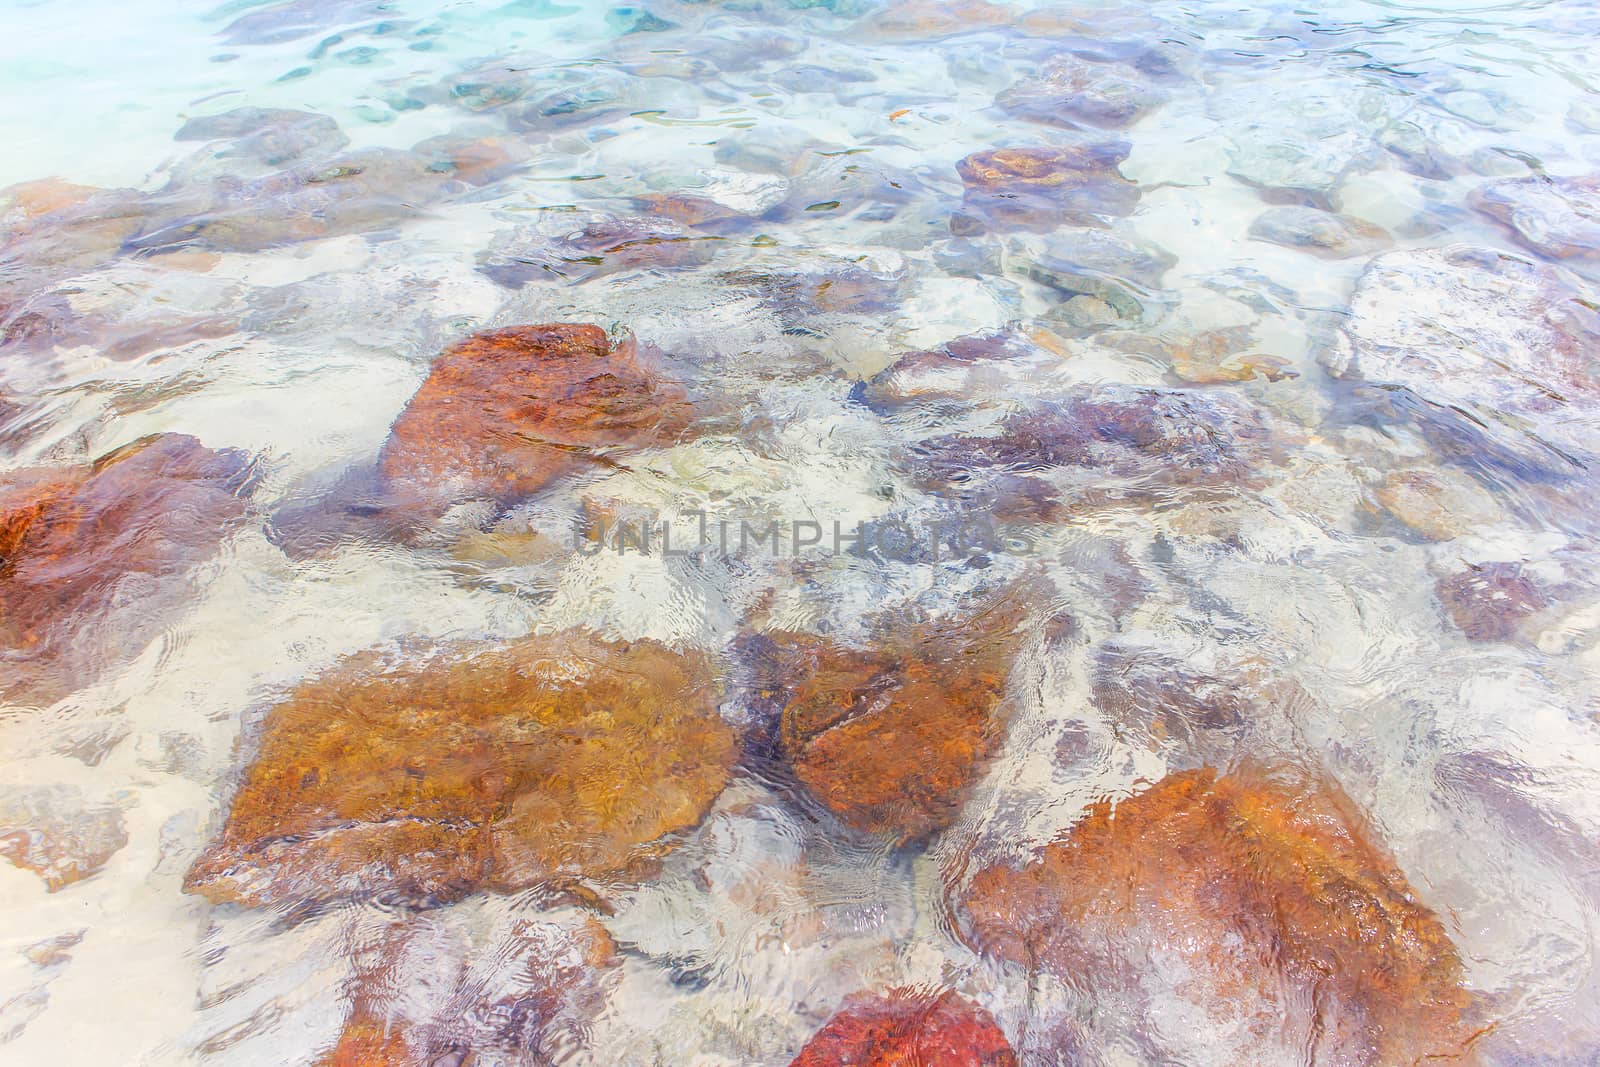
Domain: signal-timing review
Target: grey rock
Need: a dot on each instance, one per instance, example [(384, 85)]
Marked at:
[(1556, 217), (1321, 233)]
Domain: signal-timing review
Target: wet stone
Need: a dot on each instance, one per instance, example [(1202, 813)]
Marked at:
[(908, 1026), (58, 835), (1438, 505), (1045, 188), (1154, 436), (602, 245), (806, 296), (1158, 696), (1491, 601), (1556, 217), (1322, 233), (1305, 160), (273, 136), (1119, 273), (941, 373), (353, 193), (504, 413), (1075, 93), (1262, 903), (547, 760), (527, 988), (892, 737), (75, 542), (1492, 354), (501, 416), (581, 96), (932, 20)]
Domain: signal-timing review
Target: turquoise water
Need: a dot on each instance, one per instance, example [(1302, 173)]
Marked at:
[(1285, 403)]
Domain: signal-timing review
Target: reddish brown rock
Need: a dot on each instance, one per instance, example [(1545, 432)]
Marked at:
[(543, 760), (77, 541), (504, 413), (1293, 931), (1490, 601), (907, 1028), (1046, 188), (501, 415), (892, 738)]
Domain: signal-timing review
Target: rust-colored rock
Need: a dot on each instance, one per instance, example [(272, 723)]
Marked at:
[(75, 541), (892, 737), (504, 413), (907, 1028), (501, 415), (1293, 930), (539, 761), (1045, 188)]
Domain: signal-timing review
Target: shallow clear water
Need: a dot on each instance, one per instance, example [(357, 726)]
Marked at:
[(1271, 454)]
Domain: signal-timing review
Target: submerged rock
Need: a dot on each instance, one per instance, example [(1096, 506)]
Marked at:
[(77, 542), (1491, 352), (1439, 505), (1322, 233), (1073, 92), (1045, 188), (273, 136), (1556, 217), (501, 415), (904, 1027), (1154, 437), (53, 832), (604, 244), (356, 192), (1113, 270), (806, 293), (1252, 897), (1490, 601), (541, 761), (942, 373), (932, 20), (505, 412), (891, 738), (526, 988)]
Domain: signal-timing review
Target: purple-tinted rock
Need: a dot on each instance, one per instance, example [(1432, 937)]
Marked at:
[(1556, 217)]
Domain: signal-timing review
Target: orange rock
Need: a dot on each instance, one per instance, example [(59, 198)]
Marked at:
[(504, 413), (31, 200), (70, 537), (1289, 924), (1044, 188), (506, 766), (892, 738), (905, 1028)]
